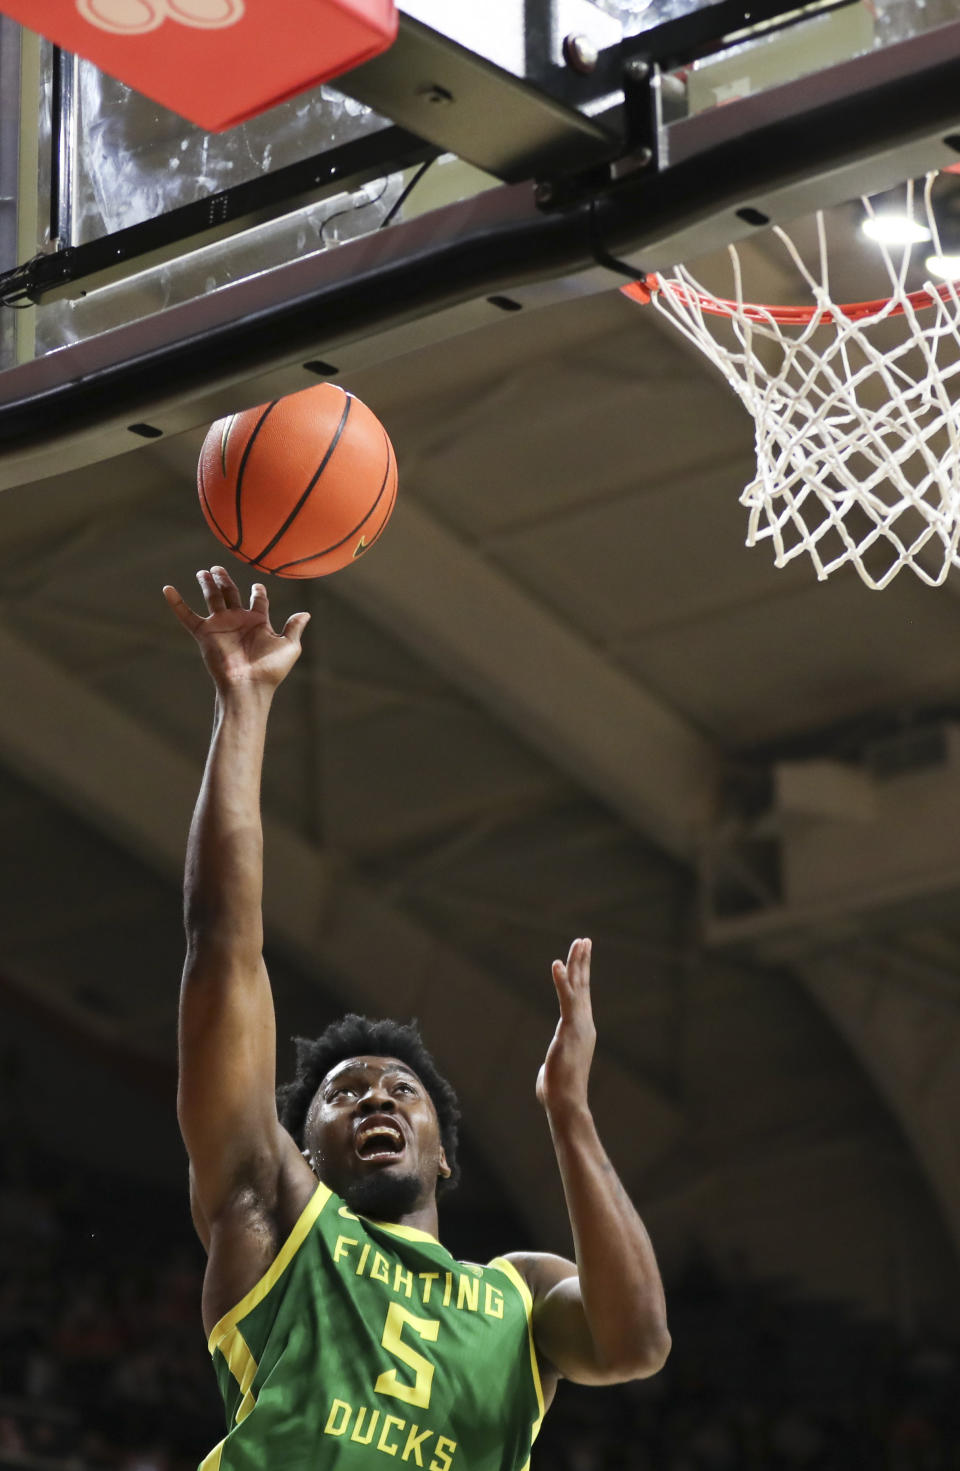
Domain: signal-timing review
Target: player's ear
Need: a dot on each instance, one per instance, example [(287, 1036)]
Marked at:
[(444, 1169)]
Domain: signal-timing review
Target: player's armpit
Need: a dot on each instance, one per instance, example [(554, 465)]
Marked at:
[(561, 1331)]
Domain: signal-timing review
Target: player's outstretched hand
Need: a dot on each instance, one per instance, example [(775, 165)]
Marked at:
[(562, 1083), (238, 644)]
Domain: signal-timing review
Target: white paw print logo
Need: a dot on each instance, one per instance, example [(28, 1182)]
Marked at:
[(136, 17)]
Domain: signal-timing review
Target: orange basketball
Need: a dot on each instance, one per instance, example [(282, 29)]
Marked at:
[(299, 487)]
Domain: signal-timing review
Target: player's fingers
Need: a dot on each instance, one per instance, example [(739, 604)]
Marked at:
[(259, 602), (227, 586), (561, 981), (211, 592), (573, 982), (294, 626), (184, 612), (578, 962)]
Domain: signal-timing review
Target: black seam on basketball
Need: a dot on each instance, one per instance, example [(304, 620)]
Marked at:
[(306, 494), (207, 508), (391, 459), (243, 465), (299, 561), (386, 517)]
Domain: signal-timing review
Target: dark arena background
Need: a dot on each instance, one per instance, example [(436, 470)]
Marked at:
[(559, 698)]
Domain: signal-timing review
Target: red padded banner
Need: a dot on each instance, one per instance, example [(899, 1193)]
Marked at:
[(215, 62)]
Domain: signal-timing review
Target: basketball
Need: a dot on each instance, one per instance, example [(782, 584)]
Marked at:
[(299, 487)]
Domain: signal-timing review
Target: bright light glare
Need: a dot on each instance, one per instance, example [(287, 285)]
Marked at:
[(890, 229), (946, 267)]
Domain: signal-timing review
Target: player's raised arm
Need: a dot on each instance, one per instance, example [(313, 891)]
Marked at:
[(604, 1319), (226, 1100)]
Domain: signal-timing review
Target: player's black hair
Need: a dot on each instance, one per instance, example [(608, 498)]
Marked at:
[(363, 1036)]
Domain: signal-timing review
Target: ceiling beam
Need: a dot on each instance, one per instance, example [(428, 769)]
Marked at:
[(128, 783), (552, 686), (909, 1043)]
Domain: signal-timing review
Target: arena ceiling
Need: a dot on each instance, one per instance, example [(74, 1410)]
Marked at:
[(560, 698)]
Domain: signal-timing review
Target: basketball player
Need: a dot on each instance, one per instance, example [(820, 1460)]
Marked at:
[(343, 1334)]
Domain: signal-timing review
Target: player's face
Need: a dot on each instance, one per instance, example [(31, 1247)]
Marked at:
[(372, 1131)]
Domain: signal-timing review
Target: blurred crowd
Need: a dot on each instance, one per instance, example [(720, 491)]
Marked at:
[(761, 1381), (103, 1365)]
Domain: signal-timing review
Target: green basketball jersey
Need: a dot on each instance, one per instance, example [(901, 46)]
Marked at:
[(367, 1345)]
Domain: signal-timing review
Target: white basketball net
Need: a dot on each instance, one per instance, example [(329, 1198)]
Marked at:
[(857, 434)]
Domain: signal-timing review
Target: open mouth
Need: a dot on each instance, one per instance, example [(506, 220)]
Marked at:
[(379, 1140)]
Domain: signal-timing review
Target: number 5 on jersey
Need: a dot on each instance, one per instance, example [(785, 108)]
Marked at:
[(417, 1393)]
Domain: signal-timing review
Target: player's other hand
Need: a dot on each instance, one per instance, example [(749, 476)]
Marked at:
[(239, 645), (563, 1079)]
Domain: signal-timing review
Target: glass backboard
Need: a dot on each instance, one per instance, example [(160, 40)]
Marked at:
[(634, 133)]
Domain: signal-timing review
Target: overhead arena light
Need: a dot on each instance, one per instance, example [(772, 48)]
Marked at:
[(895, 229), (944, 267)]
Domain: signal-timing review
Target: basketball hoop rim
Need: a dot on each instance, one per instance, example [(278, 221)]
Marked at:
[(644, 290)]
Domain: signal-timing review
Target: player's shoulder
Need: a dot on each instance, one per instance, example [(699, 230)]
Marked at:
[(540, 1270)]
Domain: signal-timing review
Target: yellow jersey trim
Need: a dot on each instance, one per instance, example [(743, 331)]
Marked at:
[(526, 1297), (211, 1462), (406, 1233), (275, 1271), (243, 1366)]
